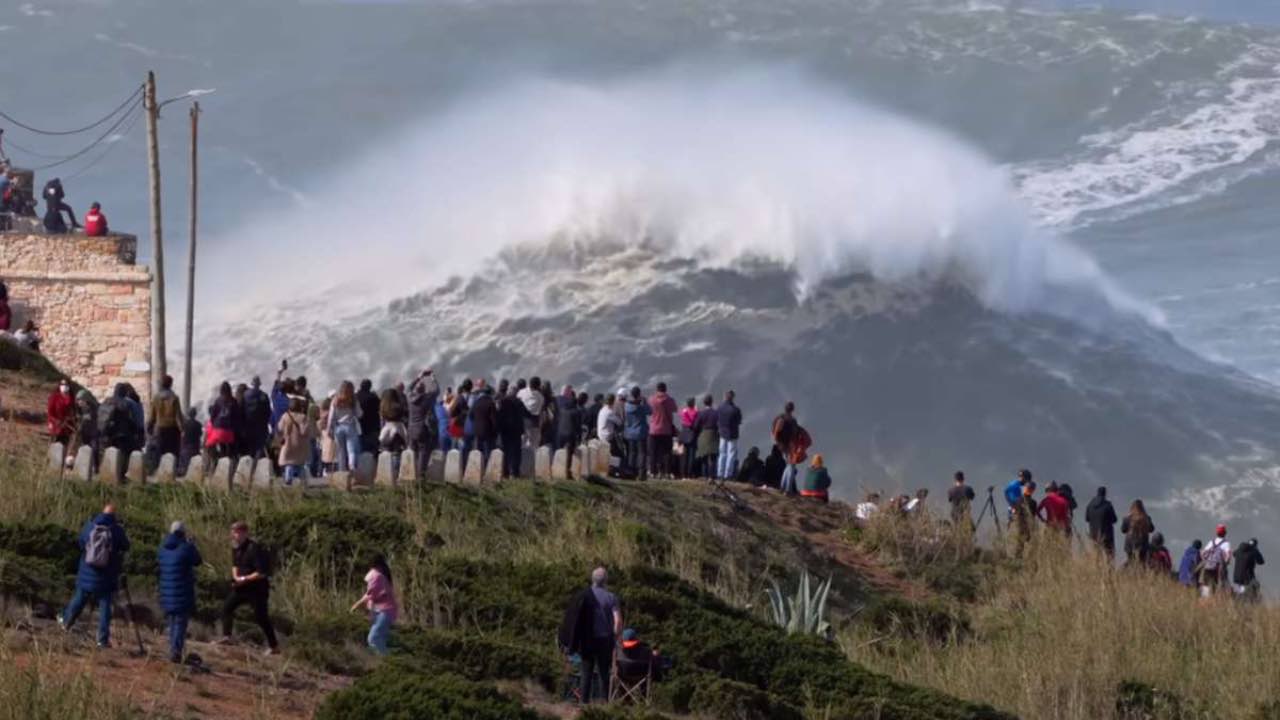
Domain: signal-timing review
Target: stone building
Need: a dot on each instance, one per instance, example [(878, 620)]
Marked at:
[(90, 300)]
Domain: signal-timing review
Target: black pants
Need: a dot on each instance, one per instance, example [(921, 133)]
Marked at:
[(659, 454), (511, 456), (570, 445), (168, 440), (597, 659), (258, 599)]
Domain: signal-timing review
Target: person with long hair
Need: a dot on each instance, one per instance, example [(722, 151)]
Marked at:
[(1137, 528), (344, 426), (380, 600), (220, 437)]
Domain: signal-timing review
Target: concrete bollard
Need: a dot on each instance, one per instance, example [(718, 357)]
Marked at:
[(165, 470), (366, 468), (526, 462), (560, 464), (83, 466), (341, 480), (435, 467), (383, 474), (262, 476), (243, 477), (408, 468), (493, 471), (221, 477), (475, 468), (135, 472), (542, 463), (109, 468), (57, 453), (577, 463), (453, 467)]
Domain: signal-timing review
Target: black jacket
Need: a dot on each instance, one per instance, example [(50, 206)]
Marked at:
[(569, 420), (1101, 517), (590, 418), (370, 413), (1247, 557), (423, 394), (511, 417), (249, 558), (752, 471), (484, 415), (575, 628)]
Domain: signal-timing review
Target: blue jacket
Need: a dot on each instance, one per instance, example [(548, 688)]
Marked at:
[(178, 560), (1013, 492), (102, 580), (635, 420), (1189, 560), (730, 419), (442, 420)]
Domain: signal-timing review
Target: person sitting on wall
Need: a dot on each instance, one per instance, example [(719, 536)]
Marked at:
[(54, 207), (95, 222), (29, 336)]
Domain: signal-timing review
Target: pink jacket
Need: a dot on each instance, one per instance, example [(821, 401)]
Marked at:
[(379, 595)]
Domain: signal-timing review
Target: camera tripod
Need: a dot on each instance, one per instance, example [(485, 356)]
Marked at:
[(990, 504)]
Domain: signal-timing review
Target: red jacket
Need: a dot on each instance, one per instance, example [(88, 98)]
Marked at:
[(61, 412), (661, 407), (95, 224), (1056, 511)]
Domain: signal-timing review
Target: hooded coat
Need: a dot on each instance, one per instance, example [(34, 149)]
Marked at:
[(178, 559), (1186, 568), (102, 580)]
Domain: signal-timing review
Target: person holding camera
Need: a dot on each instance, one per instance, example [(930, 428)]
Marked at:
[(178, 559), (423, 392)]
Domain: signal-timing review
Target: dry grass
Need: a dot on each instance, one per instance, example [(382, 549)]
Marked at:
[(1055, 634)]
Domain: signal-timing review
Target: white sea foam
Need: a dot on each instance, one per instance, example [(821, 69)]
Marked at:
[(752, 164)]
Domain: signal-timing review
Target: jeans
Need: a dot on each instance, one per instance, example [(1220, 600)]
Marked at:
[(728, 465), (177, 634), (348, 439), (291, 473), (421, 444), (446, 444), (79, 600), (789, 479), (636, 461), (379, 632)]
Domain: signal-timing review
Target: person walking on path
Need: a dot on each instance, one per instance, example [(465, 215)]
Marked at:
[(178, 559), (730, 424), (250, 585), (380, 600), (1214, 560), (662, 407), (1137, 528), (1100, 515), (103, 544), (591, 625)]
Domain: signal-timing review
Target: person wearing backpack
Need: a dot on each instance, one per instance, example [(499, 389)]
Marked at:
[(103, 543), (257, 419), (178, 559), (1214, 560), (250, 584), (794, 441), (164, 421)]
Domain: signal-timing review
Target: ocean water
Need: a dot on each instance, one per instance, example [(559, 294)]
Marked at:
[(979, 234)]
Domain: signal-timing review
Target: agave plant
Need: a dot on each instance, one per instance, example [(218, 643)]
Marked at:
[(805, 614)]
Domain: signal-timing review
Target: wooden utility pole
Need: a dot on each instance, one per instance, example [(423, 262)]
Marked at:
[(159, 367), (191, 260)]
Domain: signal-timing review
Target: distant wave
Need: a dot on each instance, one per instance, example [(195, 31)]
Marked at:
[(722, 167)]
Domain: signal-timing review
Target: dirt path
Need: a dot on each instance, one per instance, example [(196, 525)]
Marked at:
[(236, 683)]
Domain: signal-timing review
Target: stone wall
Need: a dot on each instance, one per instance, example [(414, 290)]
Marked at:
[(91, 302)]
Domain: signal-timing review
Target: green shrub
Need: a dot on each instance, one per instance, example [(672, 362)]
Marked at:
[(397, 690), (49, 542), (335, 644), (1140, 701), (932, 620), (342, 535), (727, 699), (476, 657), (31, 579)]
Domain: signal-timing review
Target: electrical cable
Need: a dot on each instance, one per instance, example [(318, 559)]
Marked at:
[(95, 143), (127, 102), (107, 151)]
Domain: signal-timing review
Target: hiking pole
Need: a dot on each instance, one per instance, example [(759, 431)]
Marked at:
[(128, 613)]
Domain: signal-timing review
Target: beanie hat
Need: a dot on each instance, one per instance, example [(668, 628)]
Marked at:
[(1221, 531)]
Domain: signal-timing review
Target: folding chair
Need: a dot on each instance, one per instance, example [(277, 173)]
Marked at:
[(631, 682)]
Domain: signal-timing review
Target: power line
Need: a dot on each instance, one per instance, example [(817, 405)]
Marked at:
[(77, 131), (107, 151), (137, 103)]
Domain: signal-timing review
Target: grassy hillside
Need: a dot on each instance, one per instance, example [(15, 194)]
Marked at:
[(483, 576)]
